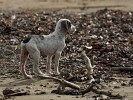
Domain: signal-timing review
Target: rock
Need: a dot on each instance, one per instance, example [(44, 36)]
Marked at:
[(131, 82), (39, 92), (28, 87), (104, 97), (9, 92)]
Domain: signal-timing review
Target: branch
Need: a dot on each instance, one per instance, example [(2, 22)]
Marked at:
[(89, 67), (63, 83)]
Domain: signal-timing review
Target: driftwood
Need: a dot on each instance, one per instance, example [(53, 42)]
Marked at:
[(63, 83), (92, 87), (76, 89), (89, 66)]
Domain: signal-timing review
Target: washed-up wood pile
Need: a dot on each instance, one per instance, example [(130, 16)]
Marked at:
[(106, 36)]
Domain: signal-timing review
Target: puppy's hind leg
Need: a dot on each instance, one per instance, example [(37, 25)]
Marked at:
[(23, 60), (36, 57)]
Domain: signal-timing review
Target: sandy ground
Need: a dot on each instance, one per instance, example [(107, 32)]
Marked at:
[(68, 5), (32, 86), (49, 85)]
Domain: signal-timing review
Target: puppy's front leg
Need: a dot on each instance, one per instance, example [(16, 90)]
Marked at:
[(57, 57), (48, 69)]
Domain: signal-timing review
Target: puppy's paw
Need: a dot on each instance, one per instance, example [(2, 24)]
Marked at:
[(28, 76), (56, 73)]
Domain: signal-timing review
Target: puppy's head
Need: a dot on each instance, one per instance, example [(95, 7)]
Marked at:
[(66, 25)]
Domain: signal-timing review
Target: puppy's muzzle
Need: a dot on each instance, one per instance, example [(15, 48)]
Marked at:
[(73, 28)]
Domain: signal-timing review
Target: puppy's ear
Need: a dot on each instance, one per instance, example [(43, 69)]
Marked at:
[(65, 25)]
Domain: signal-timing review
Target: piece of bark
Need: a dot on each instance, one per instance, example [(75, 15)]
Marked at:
[(9, 92)]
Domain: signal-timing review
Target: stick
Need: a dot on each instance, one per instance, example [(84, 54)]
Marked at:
[(63, 83)]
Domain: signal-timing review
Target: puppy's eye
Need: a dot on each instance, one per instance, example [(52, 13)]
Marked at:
[(66, 24), (69, 24)]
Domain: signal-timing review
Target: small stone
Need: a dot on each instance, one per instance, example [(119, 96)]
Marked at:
[(40, 92), (28, 87)]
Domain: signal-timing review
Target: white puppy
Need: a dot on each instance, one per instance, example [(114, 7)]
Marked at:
[(48, 45)]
